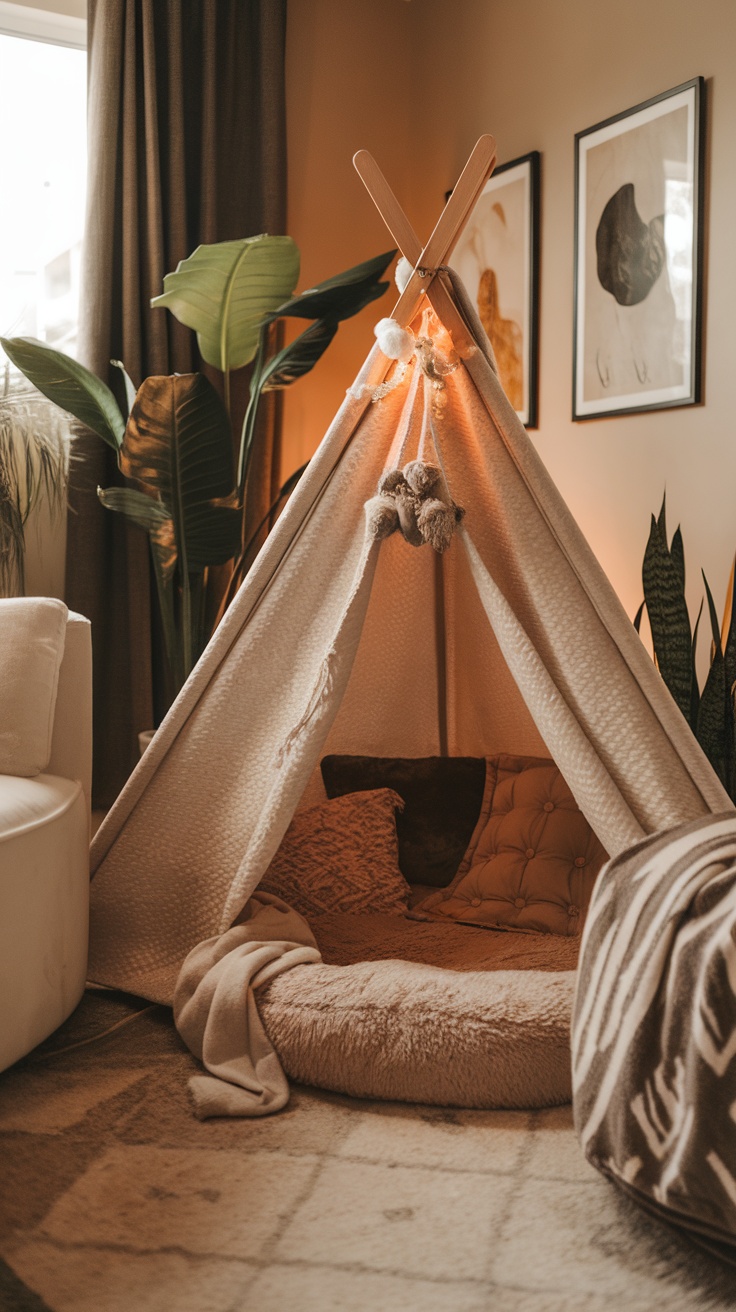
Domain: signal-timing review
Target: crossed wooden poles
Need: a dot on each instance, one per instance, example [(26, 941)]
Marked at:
[(427, 260)]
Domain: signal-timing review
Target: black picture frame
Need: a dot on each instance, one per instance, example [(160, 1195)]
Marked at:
[(497, 257), (639, 232)]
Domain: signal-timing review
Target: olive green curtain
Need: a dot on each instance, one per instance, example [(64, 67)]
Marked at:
[(186, 119)]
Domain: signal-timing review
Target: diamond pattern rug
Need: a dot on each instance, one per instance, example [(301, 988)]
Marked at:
[(113, 1197)]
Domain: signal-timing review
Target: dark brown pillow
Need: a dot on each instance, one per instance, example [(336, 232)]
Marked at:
[(443, 796)]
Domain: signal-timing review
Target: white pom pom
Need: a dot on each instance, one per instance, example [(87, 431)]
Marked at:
[(403, 273), (394, 341)]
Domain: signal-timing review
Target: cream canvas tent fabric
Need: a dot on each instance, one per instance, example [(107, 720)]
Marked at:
[(512, 641)]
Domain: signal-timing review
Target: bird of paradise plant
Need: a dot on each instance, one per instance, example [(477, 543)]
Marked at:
[(172, 437)]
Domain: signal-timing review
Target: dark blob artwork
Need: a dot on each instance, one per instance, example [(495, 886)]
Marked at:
[(630, 252)]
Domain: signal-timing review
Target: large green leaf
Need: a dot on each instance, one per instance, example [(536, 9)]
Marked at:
[(342, 296), (668, 616), (226, 290), (301, 355), (178, 446), (69, 385), (149, 514), (129, 385), (152, 515)]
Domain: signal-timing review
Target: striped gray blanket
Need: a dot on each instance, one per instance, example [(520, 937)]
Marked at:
[(654, 1028)]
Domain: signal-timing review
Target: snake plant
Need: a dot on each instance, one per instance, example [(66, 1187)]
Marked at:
[(710, 712)]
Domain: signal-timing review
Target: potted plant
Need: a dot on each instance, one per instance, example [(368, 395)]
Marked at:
[(710, 712), (34, 469), (173, 438)]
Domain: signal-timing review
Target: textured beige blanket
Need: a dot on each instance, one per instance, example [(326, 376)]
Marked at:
[(216, 1014)]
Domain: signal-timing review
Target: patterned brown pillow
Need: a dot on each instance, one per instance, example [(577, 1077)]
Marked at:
[(342, 856), (532, 860)]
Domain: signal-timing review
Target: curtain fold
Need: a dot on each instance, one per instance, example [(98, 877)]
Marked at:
[(187, 144)]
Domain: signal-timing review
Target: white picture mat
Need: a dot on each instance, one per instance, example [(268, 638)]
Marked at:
[(646, 352)]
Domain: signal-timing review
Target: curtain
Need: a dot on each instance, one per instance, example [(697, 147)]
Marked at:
[(186, 117)]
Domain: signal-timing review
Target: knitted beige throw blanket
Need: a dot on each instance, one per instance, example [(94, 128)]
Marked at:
[(216, 1013)]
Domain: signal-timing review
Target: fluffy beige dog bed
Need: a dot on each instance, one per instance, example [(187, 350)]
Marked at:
[(482, 1036)]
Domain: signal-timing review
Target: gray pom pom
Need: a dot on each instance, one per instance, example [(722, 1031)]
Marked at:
[(392, 479), (407, 507), (436, 523), (382, 517), (421, 477)]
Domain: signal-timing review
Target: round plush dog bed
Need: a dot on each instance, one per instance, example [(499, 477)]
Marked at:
[(407, 1031)]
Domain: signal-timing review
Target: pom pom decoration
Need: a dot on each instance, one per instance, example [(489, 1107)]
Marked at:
[(408, 500), (421, 477), (392, 479), (382, 516), (436, 523), (397, 343), (407, 506), (403, 273)]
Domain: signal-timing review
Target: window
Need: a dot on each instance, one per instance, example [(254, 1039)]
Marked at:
[(43, 87)]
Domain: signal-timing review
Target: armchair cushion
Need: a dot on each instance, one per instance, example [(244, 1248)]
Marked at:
[(32, 633)]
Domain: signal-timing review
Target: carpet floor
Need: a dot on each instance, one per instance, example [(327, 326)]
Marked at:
[(113, 1198)]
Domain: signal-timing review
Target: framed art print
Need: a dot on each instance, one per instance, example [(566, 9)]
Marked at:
[(497, 257), (638, 257)]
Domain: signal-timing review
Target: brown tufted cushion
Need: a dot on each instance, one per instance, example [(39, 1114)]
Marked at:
[(533, 858), (342, 856)]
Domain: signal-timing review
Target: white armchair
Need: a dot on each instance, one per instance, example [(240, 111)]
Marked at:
[(45, 781)]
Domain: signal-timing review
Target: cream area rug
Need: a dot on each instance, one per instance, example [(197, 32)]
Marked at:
[(114, 1197)]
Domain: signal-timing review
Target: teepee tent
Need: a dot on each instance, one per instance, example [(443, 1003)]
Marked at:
[(343, 641)]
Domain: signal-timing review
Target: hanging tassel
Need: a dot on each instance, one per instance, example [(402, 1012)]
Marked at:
[(322, 692)]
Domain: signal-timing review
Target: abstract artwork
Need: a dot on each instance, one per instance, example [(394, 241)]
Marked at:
[(638, 257), (497, 259)]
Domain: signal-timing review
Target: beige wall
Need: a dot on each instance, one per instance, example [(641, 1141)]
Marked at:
[(348, 88), (533, 73)]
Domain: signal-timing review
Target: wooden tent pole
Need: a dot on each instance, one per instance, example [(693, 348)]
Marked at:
[(445, 234)]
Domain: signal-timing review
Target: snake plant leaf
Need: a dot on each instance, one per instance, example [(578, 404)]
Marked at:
[(301, 355), (712, 717), (69, 385), (662, 518), (128, 384), (668, 617), (714, 711), (226, 290), (342, 296), (728, 643), (638, 617), (178, 445), (728, 634), (714, 708), (677, 552), (714, 625), (694, 687)]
